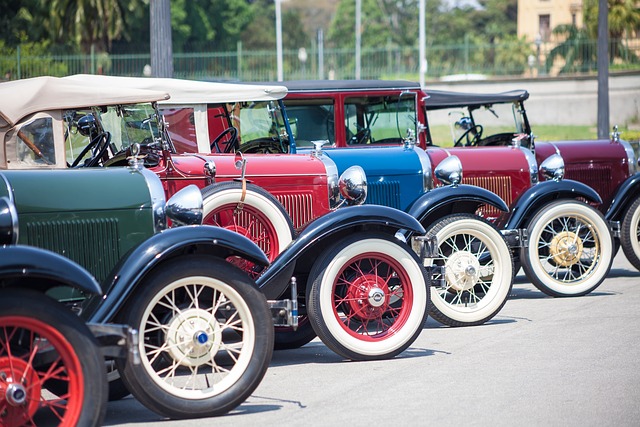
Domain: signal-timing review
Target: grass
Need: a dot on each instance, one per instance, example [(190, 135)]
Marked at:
[(442, 134)]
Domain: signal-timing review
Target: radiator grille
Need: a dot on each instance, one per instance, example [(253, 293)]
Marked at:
[(597, 177), (500, 185), (91, 243), (386, 193), (299, 207)]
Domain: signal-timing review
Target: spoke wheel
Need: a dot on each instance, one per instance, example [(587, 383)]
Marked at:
[(259, 217), (206, 338), (478, 270), (42, 346), (630, 234), (369, 297), (570, 249)]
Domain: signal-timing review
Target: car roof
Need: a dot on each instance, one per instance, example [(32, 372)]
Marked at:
[(347, 85), (192, 91), (27, 96), (446, 99)]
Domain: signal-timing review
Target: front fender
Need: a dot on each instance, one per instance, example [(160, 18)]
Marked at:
[(627, 193), (131, 270), (315, 235), (44, 269), (544, 192), (447, 200)]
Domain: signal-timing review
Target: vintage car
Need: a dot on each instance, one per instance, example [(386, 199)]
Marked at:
[(569, 250), (264, 128), (367, 291), (608, 166), (63, 381)]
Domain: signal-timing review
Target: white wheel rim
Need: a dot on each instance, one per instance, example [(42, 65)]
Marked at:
[(472, 289), (414, 319), (567, 250), (635, 231), (202, 375)]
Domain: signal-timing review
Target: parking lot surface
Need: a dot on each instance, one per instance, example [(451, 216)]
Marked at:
[(540, 361)]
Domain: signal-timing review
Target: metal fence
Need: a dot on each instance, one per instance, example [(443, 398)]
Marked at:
[(518, 59)]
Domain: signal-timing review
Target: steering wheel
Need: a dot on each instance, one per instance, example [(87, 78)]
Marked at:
[(263, 146), (100, 143), (477, 134), (232, 143), (361, 137)]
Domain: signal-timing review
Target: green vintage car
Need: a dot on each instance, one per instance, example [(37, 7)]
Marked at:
[(206, 334)]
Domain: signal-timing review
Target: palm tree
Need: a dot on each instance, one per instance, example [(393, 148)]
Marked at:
[(90, 22), (577, 49)]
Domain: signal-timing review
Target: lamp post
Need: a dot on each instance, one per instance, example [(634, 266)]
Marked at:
[(279, 40), (358, 36), (538, 42)]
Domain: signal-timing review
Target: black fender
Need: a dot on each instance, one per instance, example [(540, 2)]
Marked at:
[(325, 231), (544, 192), (142, 259), (462, 198), (43, 269), (626, 194)]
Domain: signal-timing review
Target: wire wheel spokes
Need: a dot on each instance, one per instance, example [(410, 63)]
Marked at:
[(568, 248), (469, 269), (372, 296), (250, 223), (196, 337), (33, 355)]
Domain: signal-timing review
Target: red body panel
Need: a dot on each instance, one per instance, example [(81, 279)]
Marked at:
[(298, 182)]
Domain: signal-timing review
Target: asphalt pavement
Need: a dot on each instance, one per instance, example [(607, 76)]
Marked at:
[(540, 361)]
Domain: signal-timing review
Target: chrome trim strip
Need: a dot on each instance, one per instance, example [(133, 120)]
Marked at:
[(158, 200), (427, 170), (533, 165)]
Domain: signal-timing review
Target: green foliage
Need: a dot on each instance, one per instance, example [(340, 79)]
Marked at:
[(34, 58)]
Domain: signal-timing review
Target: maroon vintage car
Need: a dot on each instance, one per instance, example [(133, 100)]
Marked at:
[(570, 248)]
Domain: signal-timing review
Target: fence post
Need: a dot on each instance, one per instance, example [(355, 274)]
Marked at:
[(239, 59), (19, 71), (93, 59)]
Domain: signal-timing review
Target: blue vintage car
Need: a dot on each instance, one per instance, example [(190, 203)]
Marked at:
[(381, 125)]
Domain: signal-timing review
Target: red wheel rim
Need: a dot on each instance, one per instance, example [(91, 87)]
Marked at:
[(23, 341), (250, 223), (372, 297)]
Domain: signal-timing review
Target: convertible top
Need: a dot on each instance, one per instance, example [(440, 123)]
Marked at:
[(347, 85), (191, 91), (27, 96), (437, 99)]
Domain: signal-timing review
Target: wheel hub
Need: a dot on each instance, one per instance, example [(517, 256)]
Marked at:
[(193, 337), (566, 248), (20, 388), (462, 270), (368, 296)]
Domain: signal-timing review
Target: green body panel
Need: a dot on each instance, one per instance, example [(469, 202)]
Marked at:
[(91, 216)]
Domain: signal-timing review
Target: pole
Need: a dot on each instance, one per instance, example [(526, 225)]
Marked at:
[(160, 37), (603, 69), (279, 39), (320, 54), (422, 42), (358, 36)]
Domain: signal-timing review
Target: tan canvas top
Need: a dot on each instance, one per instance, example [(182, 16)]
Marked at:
[(21, 98), (191, 91)]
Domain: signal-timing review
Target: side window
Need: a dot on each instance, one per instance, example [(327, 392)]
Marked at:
[(181, 128), (312, 120), (380, 119), (35, 143)]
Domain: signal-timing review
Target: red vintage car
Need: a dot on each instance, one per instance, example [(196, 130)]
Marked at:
[(570, 248), (206, 120)]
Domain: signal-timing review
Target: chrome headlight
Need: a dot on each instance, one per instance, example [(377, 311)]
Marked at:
[(185, 207), (449, 171), (8, 222), (353, 185), (553, 167)]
